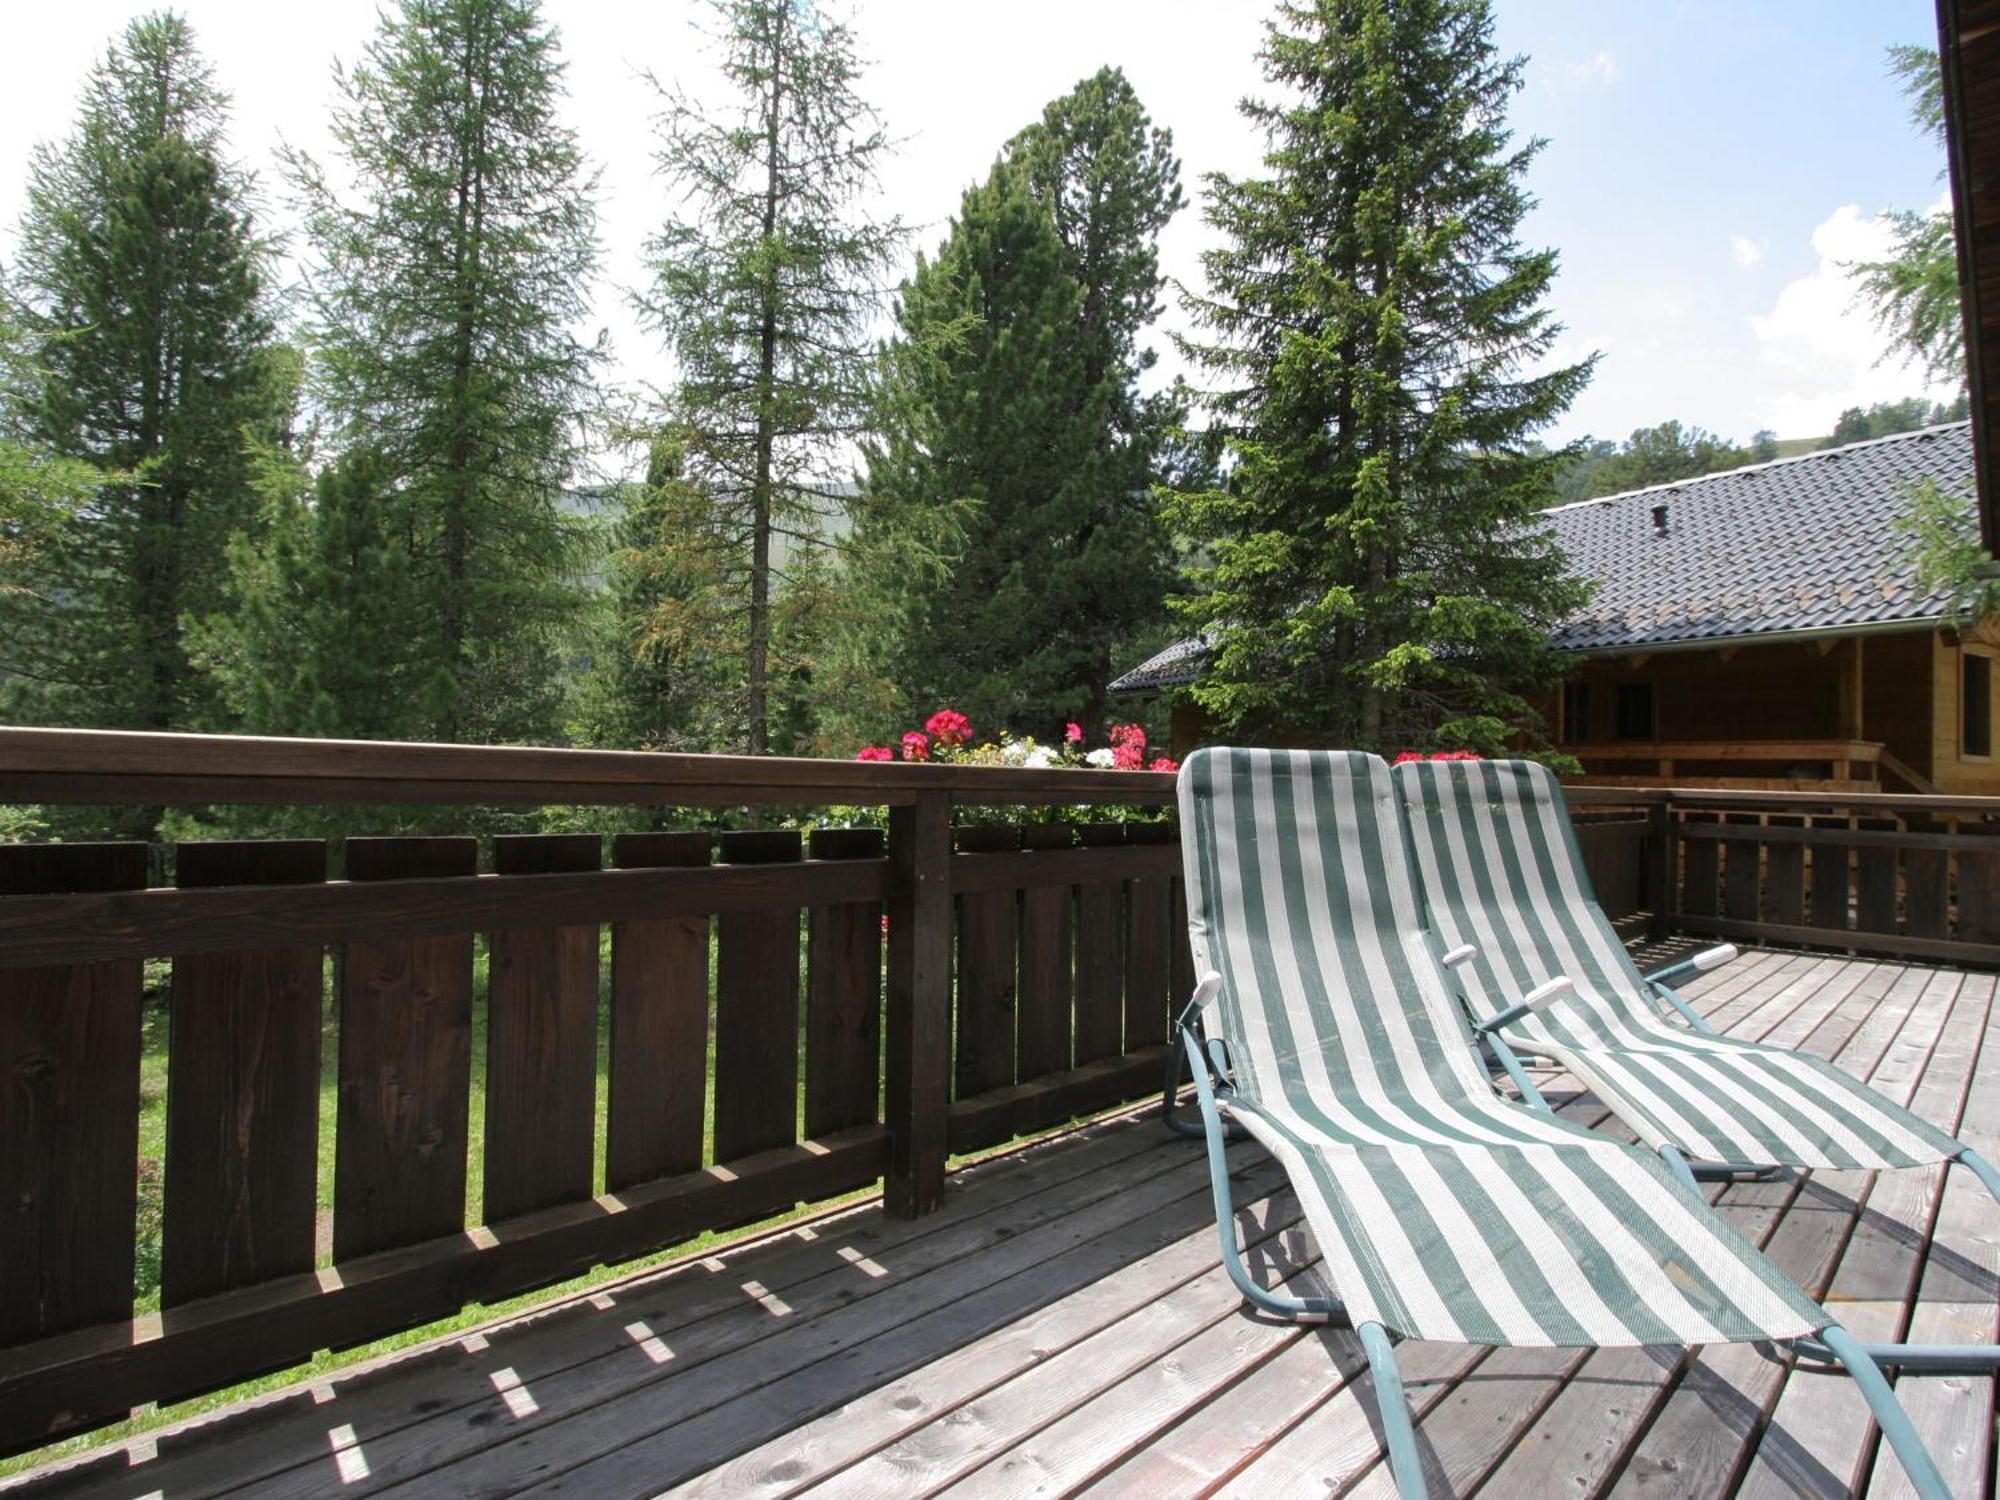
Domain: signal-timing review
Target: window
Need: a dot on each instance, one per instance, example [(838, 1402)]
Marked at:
[(1634, 711), (1975, 702), (1576, 713)]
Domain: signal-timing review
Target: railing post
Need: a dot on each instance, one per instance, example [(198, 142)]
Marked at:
[(1660, 868), (918, 1065)]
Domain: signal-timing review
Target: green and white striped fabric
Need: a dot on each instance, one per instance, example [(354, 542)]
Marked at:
[(1443, 1210), (1500, 869)]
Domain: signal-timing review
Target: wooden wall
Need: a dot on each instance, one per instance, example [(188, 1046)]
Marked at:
[(1951, 768)]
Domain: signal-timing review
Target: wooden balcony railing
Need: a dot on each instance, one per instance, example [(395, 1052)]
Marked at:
[(763, 1044), (1898, 875), (1839, 765), (832, 1050)]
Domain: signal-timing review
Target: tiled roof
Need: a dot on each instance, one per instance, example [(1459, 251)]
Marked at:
[(1805, 543)]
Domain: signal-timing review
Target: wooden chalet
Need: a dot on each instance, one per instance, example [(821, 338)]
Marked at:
[(1761, 627)]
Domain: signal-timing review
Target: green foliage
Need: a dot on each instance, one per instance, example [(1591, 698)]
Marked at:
[(663, 678), (1940, 528), (442, 293), (1914, 290), (1375, 576), (1012, 391), (764, 289), (1653, 455), (144, 354), (1886, 418)]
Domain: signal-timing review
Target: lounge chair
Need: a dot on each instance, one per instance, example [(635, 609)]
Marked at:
[(1504, 884), (1323, 1024)]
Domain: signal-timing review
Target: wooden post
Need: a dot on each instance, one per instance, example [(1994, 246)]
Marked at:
[(1660, 869), (918, 1085)]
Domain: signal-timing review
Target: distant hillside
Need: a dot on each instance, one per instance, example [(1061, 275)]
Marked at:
[(1793, 447)]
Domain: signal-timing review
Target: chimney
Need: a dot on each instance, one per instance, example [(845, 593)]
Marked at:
[(1659, 520)]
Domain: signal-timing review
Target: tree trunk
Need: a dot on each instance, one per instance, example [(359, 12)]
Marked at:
[(767, 368)]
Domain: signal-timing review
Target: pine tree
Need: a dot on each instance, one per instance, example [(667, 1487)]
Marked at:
[(1375, 576), (318, 640), (1914, 288), (443, 292), (147, 353), (666, 672), (1034, 413), (764, 290)]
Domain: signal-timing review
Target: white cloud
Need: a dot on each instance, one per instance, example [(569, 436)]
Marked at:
[(1600, 71), (1748, 252), (1819, 347)]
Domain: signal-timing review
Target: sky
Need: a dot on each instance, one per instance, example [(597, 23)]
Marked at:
[(1709, 164)]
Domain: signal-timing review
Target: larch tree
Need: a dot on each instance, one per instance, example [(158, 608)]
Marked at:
[(1032, 412), (1914, 289), (764, 282), (444, 289), (1375, 334), (142, 349)]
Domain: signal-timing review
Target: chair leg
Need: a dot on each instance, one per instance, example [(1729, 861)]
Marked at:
[(1295, 1309), (1928, 1359), (1398, 1431), (1895, 1423)]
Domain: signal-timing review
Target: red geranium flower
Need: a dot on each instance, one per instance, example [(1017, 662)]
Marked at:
[(876, 752), (1164, 763), (1073, 732), (949, 727), (916, 746)]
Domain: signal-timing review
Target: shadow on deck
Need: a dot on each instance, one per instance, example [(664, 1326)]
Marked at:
[(1063, 1325)]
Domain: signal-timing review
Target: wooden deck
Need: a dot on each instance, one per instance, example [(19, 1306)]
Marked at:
[(1063, 1325)]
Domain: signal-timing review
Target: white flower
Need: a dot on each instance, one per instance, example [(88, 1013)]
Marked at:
[(1103, 759), (1040, 758), (1017, 752)]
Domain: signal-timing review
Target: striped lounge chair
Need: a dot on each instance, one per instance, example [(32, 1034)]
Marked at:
[(1324, 1026), (1504, 885)]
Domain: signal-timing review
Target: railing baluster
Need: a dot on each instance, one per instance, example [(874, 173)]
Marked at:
[(659, 1025), (541, 1042), (843, 996), (989, 924), (1149, 944), (69, 1113), (1100, 956), (757, 1010), (1047, 969), (243, 1065), (405, 1073)]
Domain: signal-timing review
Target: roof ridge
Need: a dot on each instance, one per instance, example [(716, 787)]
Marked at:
[(1769, 463)]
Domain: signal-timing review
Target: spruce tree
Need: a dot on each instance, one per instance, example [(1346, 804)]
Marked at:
[(145, 344), (1035, 414), (764, 287), (1374, 574), (443, 291)]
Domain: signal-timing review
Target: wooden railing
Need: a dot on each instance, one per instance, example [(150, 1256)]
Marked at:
[(1848, 765), (765, 1044), (837, 1057), (1911, 876)]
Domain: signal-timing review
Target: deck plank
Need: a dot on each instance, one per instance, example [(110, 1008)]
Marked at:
[(1583, 1439), (1702, 1438), (1064, 1326), (986, 1204), (1821, 1439)]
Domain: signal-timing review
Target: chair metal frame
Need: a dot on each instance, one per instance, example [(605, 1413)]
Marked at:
[(1207, 1059)]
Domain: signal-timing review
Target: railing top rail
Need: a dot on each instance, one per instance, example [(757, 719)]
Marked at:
[(106, 767), (1747, 799)]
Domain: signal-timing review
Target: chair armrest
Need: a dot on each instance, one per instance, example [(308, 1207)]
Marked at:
[(1698, 963), (1541, 996)]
